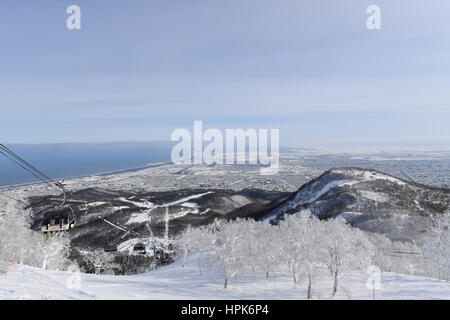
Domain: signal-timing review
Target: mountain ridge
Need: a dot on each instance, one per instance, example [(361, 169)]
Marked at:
[(360, 195)]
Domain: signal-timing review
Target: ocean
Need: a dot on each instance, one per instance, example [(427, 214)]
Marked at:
[(66, 160)]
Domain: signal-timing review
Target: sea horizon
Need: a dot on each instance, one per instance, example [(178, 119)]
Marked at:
[(61, 161)]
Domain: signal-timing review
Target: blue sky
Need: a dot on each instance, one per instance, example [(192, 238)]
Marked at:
[(139, 69)]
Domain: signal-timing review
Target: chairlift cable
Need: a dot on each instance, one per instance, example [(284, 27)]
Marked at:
[(25, 168), (49, 227), (120, 227), (26, 163), (12, 198), (29, 168)]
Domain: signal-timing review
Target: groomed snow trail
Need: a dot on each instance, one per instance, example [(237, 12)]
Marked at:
[(172, 282)]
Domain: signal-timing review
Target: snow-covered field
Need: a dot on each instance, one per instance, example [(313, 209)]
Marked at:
[(173, 282)]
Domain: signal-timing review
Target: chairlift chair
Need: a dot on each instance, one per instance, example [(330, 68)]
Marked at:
[(139, 248), (57, 220), (61, 218)]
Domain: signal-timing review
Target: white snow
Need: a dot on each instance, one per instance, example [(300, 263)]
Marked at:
[(186, 199), (368, 175), (375, 175), (187, 207), (334, 184), (328, 187), (114, 225), (173, 282), (144, 204), (348, 216), (190, 205), (183, 213), (374, 196), (204, 212), (96, 203), (138, 217)]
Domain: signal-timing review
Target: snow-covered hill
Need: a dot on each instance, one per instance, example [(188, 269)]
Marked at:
[(369, 200), (173, 282)]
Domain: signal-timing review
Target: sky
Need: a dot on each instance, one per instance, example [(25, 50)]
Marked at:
[(137, 70)]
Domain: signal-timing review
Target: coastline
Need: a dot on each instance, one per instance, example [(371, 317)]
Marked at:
[(100, 174)]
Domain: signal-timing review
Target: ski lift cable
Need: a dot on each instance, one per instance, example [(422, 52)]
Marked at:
[(17, 160), (25, 168), (119, 227), (22, 166), (28, 165), (12, 198), (29, 168)]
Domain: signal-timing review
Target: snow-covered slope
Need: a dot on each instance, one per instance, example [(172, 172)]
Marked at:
[(172, 282), (382, 203)]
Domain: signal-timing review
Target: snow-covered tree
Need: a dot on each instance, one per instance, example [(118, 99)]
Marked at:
[(348, 249), (99, 261), (312, 248), (436, 248), (21, 244), (199, 241), (55, 251), (246, 248), (228, 249), (184, 244), (304, 246), (290, 245), (266, 241), (15, 238)]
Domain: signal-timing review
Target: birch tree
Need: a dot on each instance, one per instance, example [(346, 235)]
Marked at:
[(304, 246), (55, 251), (348, 249), (436, 248), (267, 243), (227, 247)]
